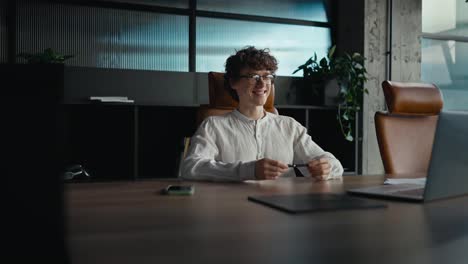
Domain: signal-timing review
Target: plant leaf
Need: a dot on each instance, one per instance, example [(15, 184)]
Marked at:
[(345, 116), (299, 68), (331, 52), (350, 73), (324, 63), (356, 55)]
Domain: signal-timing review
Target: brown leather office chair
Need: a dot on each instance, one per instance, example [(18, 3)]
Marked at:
[(221, 101), (405, 133)]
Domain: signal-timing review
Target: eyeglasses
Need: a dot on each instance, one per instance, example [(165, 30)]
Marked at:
[(254, 79)]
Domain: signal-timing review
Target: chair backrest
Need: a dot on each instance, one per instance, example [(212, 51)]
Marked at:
[(221, 101), (406, 132)]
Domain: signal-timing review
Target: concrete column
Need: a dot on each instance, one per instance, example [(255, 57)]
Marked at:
[(405, 63), (406, 40), (375, 46)]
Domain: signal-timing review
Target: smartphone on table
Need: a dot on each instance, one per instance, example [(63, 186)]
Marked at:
[(179, 190)]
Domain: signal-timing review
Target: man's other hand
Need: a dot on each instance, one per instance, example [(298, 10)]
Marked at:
[(267, 169), (319, 169)]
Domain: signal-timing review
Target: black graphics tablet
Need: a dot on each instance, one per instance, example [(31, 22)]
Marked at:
[(304, 203)]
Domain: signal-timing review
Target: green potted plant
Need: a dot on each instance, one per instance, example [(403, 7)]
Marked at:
[(350, 74), (44, 57)]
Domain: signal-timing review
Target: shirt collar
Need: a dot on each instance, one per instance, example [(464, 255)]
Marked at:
[(244, 118)]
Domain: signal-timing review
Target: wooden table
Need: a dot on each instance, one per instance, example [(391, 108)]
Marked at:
[(129, 222)]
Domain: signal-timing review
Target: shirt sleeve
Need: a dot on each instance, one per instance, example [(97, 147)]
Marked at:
[(201, 164), (305, 149)]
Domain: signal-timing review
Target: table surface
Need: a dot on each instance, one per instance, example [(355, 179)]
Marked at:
[(130, 222)]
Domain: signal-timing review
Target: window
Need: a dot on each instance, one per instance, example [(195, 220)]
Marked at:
[(219, 38), (445, 50), (166, 3), (311, 10), (104, 37), (169, 35)]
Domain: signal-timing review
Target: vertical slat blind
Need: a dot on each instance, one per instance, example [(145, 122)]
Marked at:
[(107, 38)]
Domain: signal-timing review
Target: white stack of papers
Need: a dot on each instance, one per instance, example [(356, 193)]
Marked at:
[(418, 181), (111, 99)]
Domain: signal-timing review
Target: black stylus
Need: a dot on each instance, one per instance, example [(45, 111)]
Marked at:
[(297, 165)]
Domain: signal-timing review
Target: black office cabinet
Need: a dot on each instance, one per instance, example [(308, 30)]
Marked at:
[(161, 131), (100, 137), (127, 141)]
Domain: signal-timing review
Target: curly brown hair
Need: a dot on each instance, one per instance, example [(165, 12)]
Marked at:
[(248, 57)]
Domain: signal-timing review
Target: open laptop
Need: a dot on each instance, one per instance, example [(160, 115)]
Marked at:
[(448, 169)]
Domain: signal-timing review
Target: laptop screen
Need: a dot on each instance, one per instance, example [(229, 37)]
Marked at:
[(448, 169)]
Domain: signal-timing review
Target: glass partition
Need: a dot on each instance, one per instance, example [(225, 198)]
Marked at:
[(312, 10), (292, 45), (444, 55)]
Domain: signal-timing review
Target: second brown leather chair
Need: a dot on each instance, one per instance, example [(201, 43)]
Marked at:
[(406, 132), (221, 101)]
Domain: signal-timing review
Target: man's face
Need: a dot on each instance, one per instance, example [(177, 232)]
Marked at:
[(253, 86)]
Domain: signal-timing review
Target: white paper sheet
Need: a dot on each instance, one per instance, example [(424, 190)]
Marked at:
[(419, 181)]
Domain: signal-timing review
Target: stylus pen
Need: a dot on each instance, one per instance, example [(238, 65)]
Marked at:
[(297, 165)]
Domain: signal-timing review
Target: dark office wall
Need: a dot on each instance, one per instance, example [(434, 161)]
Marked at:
[(349, 38), (152, 87), (349, 29), (3, 32), (145, 87)]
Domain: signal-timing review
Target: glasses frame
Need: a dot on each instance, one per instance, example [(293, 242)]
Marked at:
[(255, 78)]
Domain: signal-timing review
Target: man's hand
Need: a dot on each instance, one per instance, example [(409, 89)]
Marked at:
[(319, 168), (266, 169)]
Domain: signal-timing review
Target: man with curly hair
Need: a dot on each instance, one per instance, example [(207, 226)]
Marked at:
[(250, 143)]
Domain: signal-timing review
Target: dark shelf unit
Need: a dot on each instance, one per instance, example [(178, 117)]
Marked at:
[(323, 127), (127, 141), (101, 138), (121, 141)]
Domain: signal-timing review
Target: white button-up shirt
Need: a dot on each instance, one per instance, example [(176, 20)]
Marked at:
[(225, 148)]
